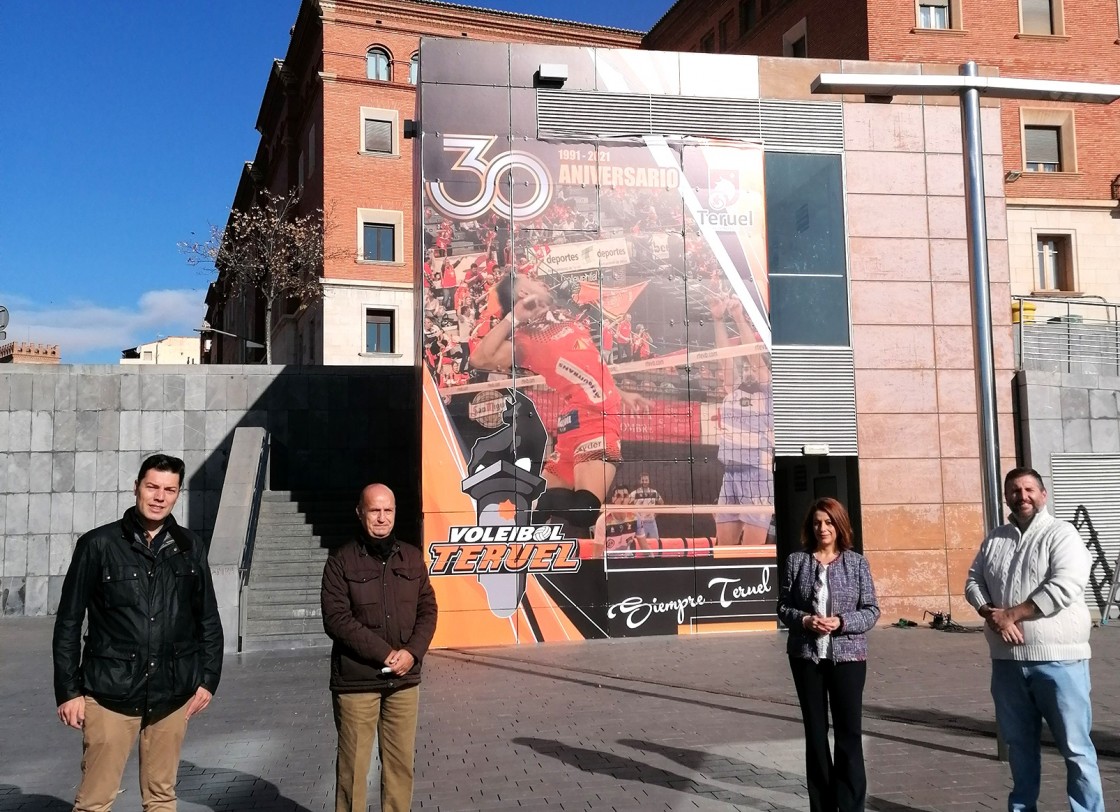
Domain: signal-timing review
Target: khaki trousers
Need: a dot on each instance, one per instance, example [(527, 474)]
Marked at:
[(107, 739), (390, 717)]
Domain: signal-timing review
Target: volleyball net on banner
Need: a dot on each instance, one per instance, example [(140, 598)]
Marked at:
[(677, 360)]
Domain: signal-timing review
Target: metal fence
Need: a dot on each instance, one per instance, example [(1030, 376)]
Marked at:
[(1067, 335)]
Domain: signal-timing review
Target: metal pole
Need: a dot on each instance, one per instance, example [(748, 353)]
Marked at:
[(976, 215)]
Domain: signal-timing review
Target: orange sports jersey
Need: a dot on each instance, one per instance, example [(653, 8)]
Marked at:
[(563, 353), (490, 310)]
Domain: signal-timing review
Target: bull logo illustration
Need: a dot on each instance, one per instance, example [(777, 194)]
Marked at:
[(723, 188)]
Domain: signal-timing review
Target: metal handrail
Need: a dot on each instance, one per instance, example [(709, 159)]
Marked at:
[(259, 488), (1067, 334)]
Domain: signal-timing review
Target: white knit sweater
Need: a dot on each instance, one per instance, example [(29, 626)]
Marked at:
[(1049, 565)]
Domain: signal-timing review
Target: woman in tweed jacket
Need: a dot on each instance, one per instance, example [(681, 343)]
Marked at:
[(827, 600)]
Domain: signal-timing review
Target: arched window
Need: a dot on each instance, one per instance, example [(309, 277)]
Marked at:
[(377, 64), (413, 69)]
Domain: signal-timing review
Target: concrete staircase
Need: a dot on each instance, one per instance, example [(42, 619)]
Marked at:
[(294, 534)]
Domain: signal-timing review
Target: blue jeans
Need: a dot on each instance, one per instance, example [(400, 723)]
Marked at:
[(1025, 693)]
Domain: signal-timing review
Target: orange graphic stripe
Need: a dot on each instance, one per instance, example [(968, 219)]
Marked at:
[(551, 620)]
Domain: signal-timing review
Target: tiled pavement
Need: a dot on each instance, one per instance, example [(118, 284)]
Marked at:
[(703, 723)]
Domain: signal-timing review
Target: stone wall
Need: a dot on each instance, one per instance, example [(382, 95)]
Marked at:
[(72, 439), (1062, 412)]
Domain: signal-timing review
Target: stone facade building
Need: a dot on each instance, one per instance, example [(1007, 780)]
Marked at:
[(1061, 171)]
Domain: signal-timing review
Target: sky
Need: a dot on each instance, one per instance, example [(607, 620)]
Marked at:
[(125, 128)]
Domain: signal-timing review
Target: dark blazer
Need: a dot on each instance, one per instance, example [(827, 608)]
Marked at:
[(154, 632), (853, 600), (370, 608)]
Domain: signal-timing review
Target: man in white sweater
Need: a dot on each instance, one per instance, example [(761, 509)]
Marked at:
[(1028, 583)]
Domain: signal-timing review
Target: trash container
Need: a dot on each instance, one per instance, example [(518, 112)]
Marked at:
[(1022, 311)]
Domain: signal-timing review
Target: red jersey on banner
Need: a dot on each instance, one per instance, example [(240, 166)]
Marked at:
[(563, 353)]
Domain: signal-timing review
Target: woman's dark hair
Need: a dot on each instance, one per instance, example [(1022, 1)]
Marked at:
[(839, 516), (162, 462)]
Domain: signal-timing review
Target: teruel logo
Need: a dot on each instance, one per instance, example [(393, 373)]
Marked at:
[(723, 193), (723, 186), (527, 548)]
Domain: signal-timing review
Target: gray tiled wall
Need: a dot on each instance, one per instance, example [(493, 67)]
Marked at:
[(72, 439), (1067, 413)]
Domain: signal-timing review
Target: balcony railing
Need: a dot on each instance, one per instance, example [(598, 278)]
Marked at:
[(1079, 335)]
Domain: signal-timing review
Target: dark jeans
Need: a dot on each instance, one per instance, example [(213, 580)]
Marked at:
[(838, 785)]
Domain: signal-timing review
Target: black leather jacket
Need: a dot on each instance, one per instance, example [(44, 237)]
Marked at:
[(154, 632)]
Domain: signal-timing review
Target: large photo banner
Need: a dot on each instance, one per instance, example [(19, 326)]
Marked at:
[(597, 429)]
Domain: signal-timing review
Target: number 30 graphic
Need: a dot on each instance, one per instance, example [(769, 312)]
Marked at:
[(491, 195)]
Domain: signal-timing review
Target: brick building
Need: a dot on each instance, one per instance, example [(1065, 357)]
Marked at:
[(332, 125), (1061, 170), (24, 352)]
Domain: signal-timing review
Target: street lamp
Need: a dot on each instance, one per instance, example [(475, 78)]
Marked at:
[(969, 86), (249, 343)]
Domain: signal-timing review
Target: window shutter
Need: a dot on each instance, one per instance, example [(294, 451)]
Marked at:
[(379, 135), (1085, 491), (1042, 145), (1038, 17)]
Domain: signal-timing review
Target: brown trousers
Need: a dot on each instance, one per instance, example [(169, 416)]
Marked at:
[(107, 739), (390, 717)]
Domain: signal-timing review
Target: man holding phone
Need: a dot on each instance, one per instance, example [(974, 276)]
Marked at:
[(380, 610)]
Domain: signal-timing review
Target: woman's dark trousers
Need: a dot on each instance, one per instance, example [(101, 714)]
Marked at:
[(840, 784)]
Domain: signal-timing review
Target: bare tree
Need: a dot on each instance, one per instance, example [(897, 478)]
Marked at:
[(270, 250)]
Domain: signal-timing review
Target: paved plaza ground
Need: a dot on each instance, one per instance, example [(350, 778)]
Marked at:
[(689, 723)]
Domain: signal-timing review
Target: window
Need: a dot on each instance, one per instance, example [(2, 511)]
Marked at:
[(377, 64), (312, 149), (794, 41), (379, 131), (1044, 148), (748, 15), (939, 15), (414, 69), (806, 248), (379, 330), (380, 236), (934, 14), (378, 242), (708, 43), (1054, 264), (725, 33), (378, 136), (1048, 140), (1037, 17)]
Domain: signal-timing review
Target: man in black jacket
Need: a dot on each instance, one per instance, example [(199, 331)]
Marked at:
[(379, 608), (153, 649)]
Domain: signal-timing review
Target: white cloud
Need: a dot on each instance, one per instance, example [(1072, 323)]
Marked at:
[(87, 332)]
